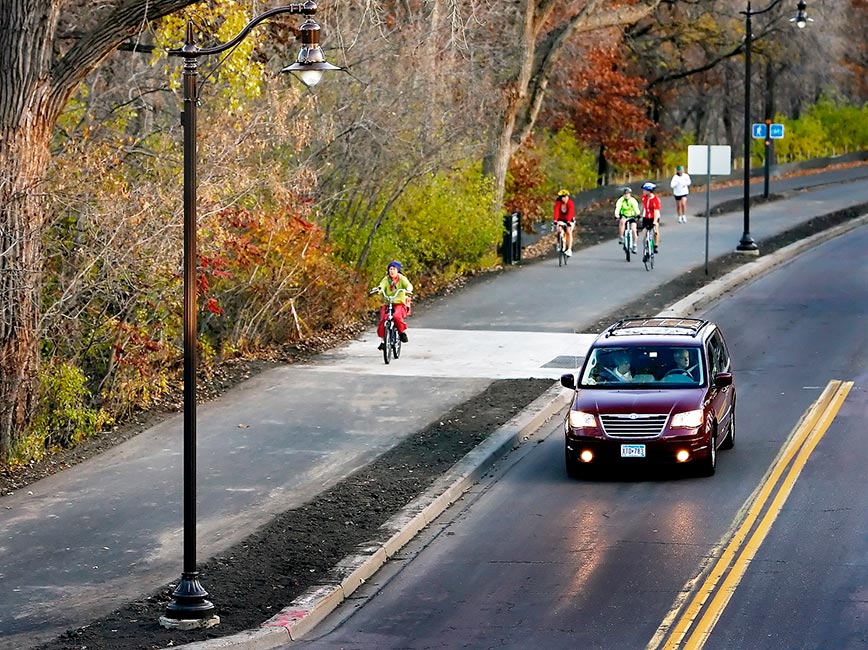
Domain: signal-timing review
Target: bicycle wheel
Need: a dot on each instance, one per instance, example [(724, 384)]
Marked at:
[(627, 244), (396, 343), (646, 254), (652, 249), (387, 342), (561, 255)]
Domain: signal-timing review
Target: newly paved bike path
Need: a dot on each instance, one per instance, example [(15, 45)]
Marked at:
[(82, 542)]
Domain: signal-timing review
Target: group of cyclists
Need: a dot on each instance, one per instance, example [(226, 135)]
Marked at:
[(396, 288), (629, 212)]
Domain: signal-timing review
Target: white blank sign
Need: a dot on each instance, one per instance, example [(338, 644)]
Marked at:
[(698, 161)]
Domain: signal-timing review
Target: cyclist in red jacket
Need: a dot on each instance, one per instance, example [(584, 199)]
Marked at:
[(651, 212), (565, 216)]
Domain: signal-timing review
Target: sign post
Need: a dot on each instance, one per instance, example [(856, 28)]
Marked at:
[(767, 132), (708, 160)]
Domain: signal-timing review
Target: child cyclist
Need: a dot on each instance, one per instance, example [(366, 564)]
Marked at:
[(396, 286)]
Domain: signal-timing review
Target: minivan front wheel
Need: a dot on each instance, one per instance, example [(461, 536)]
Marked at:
[(729, 441), (708, 465)]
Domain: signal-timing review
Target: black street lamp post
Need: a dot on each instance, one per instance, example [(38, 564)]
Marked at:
[(747, 244), (190, 607)]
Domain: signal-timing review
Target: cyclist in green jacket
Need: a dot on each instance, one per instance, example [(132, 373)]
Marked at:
[(627, 209), (397, 287)]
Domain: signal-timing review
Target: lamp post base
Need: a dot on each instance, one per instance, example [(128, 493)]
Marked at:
[(189, 623), (746, 245), (190, 608)]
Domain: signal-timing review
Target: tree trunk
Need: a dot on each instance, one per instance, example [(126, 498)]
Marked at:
[(655, 153), (769, 109), (37, 77), (602, 166), (27, 117), (538, 55), (23, 160)]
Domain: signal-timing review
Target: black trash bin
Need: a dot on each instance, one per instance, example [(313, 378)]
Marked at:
[(512, 238)]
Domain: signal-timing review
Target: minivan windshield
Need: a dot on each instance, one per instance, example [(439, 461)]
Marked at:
[(643, 367)]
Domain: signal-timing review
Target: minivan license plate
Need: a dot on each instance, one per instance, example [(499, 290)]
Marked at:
[(632, 451)]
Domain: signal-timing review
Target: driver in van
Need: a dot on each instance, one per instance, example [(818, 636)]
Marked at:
[(683, 363)]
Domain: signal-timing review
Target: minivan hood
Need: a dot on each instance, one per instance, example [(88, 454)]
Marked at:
[(656, 401)]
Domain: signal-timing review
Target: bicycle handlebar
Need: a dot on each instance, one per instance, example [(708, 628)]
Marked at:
[(387, 297)]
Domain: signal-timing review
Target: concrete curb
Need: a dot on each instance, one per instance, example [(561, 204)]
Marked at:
[(311, 607), (713, 291)]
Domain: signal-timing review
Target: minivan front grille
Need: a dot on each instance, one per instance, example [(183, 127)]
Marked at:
[(633, 426)]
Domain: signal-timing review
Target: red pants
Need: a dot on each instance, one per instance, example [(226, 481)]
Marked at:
[(398, 315)]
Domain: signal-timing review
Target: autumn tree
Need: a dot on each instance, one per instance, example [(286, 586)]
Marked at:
[(47, 47), (855, 57), (605, 105), (540, 30)]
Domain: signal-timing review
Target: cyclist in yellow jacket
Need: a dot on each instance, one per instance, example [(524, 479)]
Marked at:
[(627, 209)]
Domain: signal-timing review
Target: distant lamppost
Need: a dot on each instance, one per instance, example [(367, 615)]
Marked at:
[(746, 244), (190, 607)]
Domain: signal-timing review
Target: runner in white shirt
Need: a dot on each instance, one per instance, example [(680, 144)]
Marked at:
[(679, 184)]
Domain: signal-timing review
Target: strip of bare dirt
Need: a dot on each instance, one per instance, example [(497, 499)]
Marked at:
[(253, 580)]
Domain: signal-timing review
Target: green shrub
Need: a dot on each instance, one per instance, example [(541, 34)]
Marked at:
[(64, 417), (446, 223), (441, 225), (803, 138), (566, 162)]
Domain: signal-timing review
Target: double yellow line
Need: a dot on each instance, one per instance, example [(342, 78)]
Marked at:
[(690, 627)]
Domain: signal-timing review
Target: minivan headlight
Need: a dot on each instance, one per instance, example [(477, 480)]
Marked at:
[(688, 419), (582, 420)]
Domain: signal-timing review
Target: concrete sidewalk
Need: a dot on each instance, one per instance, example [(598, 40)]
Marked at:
[(89, 539)]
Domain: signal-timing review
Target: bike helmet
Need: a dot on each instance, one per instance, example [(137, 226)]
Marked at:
[(649, 186), (626, 190), (564, 193), (394, 263)]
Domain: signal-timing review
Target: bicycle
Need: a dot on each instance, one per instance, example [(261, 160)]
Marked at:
[(391, 342), (648, 249), (562, 249), (629, 244)]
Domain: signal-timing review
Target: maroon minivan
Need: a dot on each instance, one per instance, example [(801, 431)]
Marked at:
[(652, 391)]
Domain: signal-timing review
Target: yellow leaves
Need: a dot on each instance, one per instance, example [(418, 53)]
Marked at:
[(215, 23)]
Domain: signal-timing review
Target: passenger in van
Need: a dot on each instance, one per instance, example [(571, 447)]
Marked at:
[(619, 370)]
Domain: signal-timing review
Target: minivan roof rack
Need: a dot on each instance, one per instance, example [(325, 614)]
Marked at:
[(689, 326)]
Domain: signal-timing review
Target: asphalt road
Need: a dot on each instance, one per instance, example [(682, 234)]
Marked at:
[(532, 559), (79, 543)]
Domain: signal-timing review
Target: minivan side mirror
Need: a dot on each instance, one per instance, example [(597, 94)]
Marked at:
[(723, 379), (569, 380)]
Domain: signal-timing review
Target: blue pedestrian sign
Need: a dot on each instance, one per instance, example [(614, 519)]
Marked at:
[(776, 131), (759, 130)]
